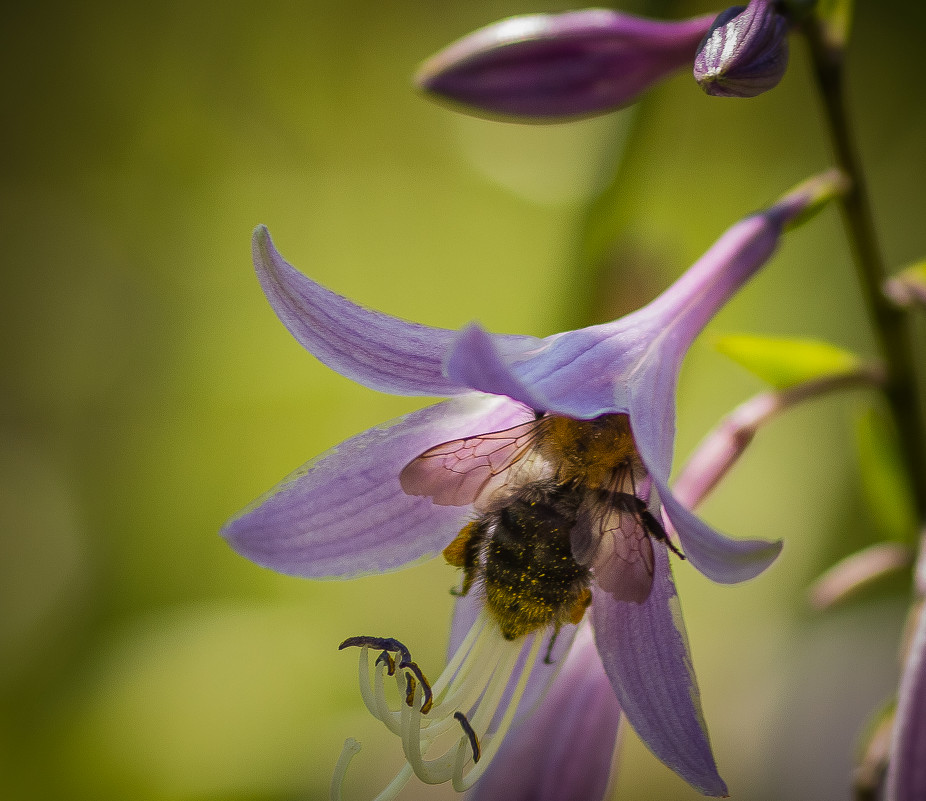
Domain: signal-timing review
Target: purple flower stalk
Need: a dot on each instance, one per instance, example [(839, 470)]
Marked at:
[(906, 772), (424, 483), (554, 66), (745, 53)]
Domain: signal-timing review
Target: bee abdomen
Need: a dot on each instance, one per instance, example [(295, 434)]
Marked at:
[(530, 577)]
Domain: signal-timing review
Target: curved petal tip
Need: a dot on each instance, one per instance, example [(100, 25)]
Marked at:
[(377, 350), (720, 558)]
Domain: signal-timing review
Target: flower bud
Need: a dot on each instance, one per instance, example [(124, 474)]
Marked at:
[(553, 66), (745, 53), (908, 288)]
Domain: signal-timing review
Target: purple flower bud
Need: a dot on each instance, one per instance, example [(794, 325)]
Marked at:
[(745, 53), (551, 66)]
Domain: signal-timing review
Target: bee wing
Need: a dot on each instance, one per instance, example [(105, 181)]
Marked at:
[(456, 473), (612, 541)]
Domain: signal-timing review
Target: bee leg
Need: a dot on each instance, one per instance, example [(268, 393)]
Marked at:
[(654, 529), (548, 659), (469, 576), (458, 552), (464, 552), (574, 615), (577, 611)]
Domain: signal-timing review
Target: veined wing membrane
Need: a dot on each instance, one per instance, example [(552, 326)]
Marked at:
[(611, 539), (456, 473)]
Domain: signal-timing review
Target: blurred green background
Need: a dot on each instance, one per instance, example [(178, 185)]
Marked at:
[(147, 391)]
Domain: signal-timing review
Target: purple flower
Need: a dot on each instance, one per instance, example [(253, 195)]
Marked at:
[(346, 514), (906, 770), (551, 66), (745, 53)]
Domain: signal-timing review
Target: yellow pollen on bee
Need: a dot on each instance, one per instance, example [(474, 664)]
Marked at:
[(591, 450), (577, 612), (455, 553)]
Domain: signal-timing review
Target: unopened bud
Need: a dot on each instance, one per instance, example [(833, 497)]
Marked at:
[(745, 53), (554, 66), (908, 288)]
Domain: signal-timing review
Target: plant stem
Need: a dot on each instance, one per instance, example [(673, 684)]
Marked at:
[(891, 323)]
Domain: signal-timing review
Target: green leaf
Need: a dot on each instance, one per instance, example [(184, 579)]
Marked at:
[(916, 271), (784, 362), (885, 483)]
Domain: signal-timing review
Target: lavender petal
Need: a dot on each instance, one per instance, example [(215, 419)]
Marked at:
[(565, 749), (467, 609), (476, 360), (381, 352), (720, 558), (345, 514), (906, 772), (644, 650)]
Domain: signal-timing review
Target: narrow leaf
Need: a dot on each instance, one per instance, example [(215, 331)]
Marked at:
[(784, 362)]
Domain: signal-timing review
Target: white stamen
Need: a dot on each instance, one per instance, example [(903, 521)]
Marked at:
[(495, 690), (391, 717), (470, 682), (348, 752), (366, 691), (498, 736), (460, 654), (374, 697), (431, 771), (472, 692), (459, 765)]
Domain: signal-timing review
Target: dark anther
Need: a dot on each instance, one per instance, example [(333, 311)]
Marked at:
[(386, 658), (427, 697), (468, 731), (388, 646), (380, 644)]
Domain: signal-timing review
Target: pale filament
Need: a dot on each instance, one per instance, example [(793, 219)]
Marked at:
[(473, 685)]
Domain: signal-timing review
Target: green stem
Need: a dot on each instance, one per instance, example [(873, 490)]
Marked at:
[(891, 323)]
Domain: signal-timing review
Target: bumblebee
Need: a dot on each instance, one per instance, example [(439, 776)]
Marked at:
[(558, 510), (521, 553)]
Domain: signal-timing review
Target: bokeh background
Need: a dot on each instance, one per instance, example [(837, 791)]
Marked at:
[(147, 391)]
